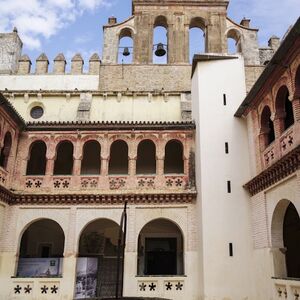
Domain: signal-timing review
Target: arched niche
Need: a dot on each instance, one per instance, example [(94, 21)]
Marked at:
[(267, 126), (284, 108), (160, 249), (64, 158), (41, 250), (91, 159), (297, 83), (5, 151), (126, 46), (146, 158), (37, 159)]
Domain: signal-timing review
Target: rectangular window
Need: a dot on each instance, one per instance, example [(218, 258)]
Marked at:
[(230, 249), (226, 148), (229, 187), (224, 99)]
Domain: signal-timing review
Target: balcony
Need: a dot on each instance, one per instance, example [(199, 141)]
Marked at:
[(173, 183), (289, 140), (288, 288)]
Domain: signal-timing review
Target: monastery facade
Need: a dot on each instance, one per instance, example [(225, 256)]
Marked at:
[(208, 166)]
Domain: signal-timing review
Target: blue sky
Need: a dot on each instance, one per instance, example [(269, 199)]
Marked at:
[(71, 26)]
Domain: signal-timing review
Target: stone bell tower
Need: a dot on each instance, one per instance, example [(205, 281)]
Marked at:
[(178, 17)]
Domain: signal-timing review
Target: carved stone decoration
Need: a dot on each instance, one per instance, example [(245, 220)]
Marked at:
[(276, 172)]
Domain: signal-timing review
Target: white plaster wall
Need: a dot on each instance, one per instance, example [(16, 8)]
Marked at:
[(49, 82), (112, 108), (225, 217)]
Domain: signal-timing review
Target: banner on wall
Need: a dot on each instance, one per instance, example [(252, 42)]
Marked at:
[(86, 277), (39, 267)]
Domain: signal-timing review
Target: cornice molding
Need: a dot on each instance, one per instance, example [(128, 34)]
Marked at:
[(278, 171)]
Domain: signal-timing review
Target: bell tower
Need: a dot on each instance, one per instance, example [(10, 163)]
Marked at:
[(177, 17)]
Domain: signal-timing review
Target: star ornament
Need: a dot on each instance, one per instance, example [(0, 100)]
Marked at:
[(17, 289), (44, 289), (169, 286), (54, 289), (179, 286), (27, 289), (152, 286), (143, 287)]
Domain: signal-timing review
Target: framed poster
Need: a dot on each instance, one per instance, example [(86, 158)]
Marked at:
[(86, 277), (39, 267)]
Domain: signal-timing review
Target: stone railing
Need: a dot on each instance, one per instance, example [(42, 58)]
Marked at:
[(3, 177), (35, 288), (281, 146), (288, 289), (169, 287), (107, 184)]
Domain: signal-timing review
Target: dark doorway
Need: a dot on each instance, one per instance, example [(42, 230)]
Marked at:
[(64, 159), (37, 161), (160, 256), (291, 239)]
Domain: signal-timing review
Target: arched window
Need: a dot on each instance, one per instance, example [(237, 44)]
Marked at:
[(291, 239), (197, 39), (91, 161), (125, 54), (234, 41), (97, 260), (5, 151), (174, 158), (267, 126), (118, 162), (160, 40), (160, 249), (37, 160), (146, 158), (64, 159), (284, 108), (41, 250)]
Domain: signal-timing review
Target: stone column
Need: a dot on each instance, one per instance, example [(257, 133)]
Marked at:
[(296, 109), (132, 166), (279, 123), (104, 166)]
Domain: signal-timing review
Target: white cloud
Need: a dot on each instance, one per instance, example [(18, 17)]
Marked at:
[(37, 19)]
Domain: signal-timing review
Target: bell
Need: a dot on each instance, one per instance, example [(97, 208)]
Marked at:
[(126, 51), (160, 50)]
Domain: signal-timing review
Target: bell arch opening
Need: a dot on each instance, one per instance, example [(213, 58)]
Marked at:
[(197, 37), (41, 250), (160, 249), (126, 46), (160, 40)]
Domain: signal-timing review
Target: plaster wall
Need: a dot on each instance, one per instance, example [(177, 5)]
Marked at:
[(222, 212), (102, 108), (49, 82)]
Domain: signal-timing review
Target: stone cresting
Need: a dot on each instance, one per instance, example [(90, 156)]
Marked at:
[(59, 65), (289, 164)]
